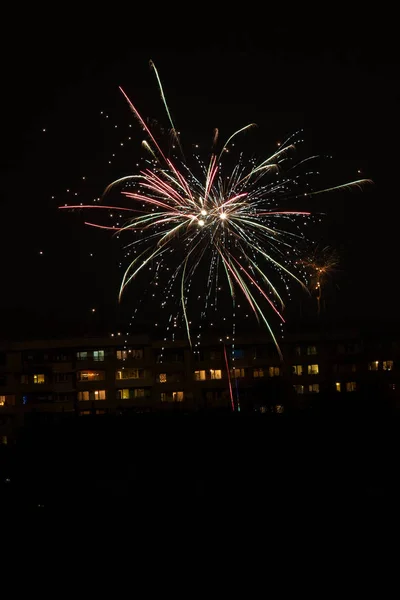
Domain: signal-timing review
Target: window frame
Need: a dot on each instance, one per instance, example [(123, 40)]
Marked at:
[(140, 373), (311, 389), (97, 354), (91, 395), (84, 380)]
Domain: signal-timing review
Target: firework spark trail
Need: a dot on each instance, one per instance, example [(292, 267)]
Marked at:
[(321, 264), (258, 287), (143, 124), (153, 66), (237, 225), (229, 378)]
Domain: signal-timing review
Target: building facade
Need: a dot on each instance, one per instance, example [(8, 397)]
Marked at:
[(119, 374)]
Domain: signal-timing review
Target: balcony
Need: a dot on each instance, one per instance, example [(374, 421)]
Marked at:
[(86, 376), (64, 367), (64, 386), (146, 381)]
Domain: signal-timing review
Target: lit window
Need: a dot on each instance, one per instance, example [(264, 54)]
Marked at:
[(258, 372), (162, 378), (274, 371), (338, 386), (387, 365), (238, 353), (81, 355), (98, 355), (215, 374), (86, 395), (90, 375), (199, 375), (279, 409), (8, 400), (237, 373), (297, 369), (129, 374), (128, 393), (135, 353), (172, 397), (299, 389), (313, 388), (311, 350), (312, 369), (373, 366), (351, 386), (38, 378)]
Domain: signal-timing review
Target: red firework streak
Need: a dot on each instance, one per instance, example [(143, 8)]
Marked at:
[(229, 379)]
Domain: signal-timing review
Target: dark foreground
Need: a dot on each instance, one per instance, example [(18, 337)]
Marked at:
[(184, 467)]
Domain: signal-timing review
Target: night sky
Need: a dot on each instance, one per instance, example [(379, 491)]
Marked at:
[(337, 80)]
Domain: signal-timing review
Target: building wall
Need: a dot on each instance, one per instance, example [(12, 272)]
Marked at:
[(60, 375)]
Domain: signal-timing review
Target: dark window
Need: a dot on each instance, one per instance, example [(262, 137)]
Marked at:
[(172, 357), (64, 398), (37, 398), (61, 377), (60, 357)]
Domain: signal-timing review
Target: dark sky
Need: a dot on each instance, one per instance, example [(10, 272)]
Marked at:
[(335, 76)]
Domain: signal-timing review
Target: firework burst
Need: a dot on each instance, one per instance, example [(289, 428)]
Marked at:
[(321, 264), (238, 222)]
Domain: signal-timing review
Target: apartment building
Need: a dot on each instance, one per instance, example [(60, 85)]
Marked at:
[(119, 374)]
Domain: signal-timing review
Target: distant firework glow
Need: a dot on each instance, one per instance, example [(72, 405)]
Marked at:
[(225, 223), (321, 264)]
